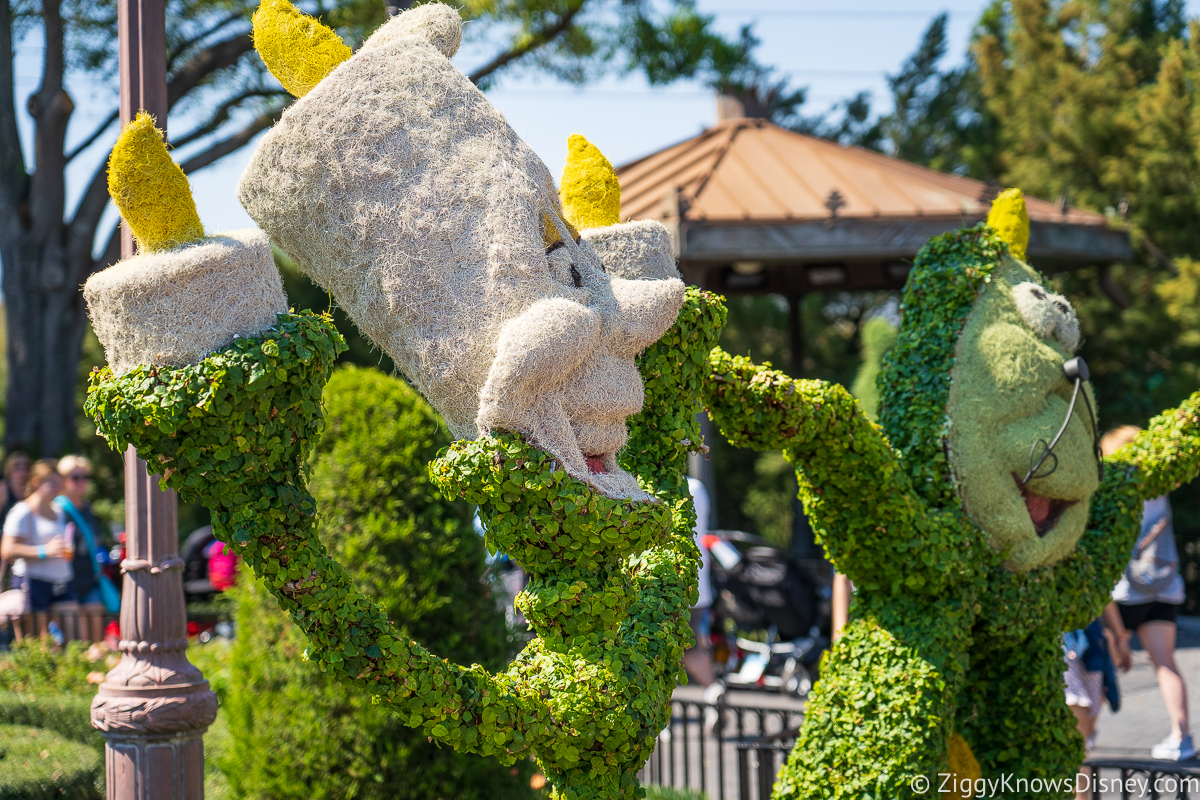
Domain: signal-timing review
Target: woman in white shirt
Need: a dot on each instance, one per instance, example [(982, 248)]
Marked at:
[(35, 540)]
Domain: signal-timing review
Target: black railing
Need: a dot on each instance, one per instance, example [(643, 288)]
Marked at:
[(735, 753), (703, 748), (1128, 779)]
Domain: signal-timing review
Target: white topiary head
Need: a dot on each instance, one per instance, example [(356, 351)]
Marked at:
[(394, 183)]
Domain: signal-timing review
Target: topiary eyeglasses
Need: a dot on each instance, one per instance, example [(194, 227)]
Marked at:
[(1076, 369)]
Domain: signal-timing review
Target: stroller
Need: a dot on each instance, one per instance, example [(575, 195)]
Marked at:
[(782, 600)]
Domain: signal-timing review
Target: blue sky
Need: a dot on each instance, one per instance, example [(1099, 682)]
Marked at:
[(836, 48)]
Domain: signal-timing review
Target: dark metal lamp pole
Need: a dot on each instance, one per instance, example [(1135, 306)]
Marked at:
[(154, 706)]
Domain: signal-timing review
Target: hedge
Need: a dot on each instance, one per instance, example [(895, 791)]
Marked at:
[(38, 764)]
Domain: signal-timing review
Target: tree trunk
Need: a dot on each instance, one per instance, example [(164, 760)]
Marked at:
[(46, 322)]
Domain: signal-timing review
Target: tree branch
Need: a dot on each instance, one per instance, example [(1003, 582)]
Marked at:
[(219, 56), (534, 42), (183, 46), (14, 181), (94, 135), (81, 232), (227, 146), (221, 115)]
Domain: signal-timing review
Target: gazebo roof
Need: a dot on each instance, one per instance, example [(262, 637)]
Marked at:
[(750, 169), (749, 190)]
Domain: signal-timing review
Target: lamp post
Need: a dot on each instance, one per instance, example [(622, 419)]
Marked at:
[(154, 706)]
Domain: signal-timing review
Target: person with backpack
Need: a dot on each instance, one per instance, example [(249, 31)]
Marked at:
[(1148, 596)]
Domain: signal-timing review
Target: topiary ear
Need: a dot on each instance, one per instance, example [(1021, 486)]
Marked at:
[(1009, 219), (298, 49), (150, 190), (590, 193)]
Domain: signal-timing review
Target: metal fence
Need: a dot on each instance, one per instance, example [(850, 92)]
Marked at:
[(1127, 780), (709, 748), (735, 753)]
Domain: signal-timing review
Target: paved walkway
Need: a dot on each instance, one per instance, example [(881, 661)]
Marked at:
[(1142, 720)]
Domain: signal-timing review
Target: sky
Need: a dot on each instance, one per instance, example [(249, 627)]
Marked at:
[(835, 48)]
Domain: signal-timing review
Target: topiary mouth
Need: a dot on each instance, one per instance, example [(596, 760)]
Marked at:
[(1044, 512), (595, 464)]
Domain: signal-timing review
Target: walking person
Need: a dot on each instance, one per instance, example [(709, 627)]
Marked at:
[(1149, 596), (90, 553), (35, 536), (1093, 655)]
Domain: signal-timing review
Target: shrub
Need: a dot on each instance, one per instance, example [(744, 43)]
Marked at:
[(37, 666), (68, 715), (417, 556), (37, 764), (667, 793)]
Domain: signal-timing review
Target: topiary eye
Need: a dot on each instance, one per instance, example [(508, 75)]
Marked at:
[(1047, 314)]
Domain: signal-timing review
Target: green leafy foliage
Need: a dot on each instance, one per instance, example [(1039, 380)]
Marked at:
[(38, 666), (419, 558), (41, 765)]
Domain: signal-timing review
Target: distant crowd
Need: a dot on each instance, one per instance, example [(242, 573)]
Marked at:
[(54, 549)]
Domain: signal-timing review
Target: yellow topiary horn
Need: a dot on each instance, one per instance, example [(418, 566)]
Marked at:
[(1009, 219), (298, 49), (590, 193), (150, 189)]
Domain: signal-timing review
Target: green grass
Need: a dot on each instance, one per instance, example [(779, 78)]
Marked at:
[(36, 763)]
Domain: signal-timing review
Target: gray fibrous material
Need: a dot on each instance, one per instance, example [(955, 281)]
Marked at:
[(176, 306), (436, 23), (1049, 314), (395, 185), (638, 249)]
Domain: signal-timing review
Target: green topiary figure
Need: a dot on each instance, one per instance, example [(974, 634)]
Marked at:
[(415, 554), (970, 558)]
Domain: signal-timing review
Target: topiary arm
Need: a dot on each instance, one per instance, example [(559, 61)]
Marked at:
[(233, 432), (850, 478), (1166, 455), (1162, 458)]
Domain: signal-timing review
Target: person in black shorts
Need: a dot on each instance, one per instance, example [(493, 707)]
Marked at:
[(1148, 597)]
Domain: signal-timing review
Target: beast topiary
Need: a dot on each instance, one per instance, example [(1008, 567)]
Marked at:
[(970, 558)]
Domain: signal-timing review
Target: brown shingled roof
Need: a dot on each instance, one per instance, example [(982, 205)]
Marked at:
[(750, 170)]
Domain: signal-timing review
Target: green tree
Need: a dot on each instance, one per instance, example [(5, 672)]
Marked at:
[(1063, 79), (48, 246), (411, 551), (878, 336)]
